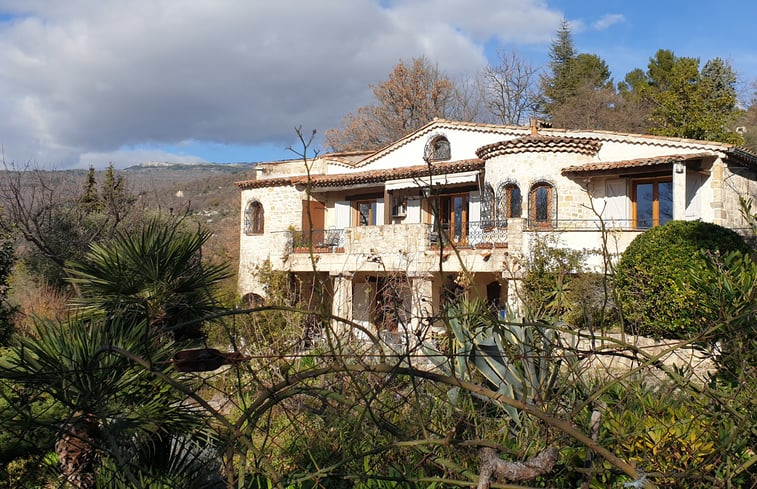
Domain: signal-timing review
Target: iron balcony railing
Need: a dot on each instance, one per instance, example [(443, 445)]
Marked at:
[(471, 233), (583, 224), (319, 239)]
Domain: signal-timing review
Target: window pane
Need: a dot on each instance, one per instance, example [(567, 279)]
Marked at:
[(541, 199), (441, 149), (515, 202), (366, 213), (458, 203), (644, 205), (665, 195)]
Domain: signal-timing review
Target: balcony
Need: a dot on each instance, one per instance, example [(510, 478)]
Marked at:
[(581, 225), (320, 240), (391, 237), (474, 234)]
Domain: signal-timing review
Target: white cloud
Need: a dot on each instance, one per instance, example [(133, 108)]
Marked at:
[(607, 20), (124, 158), (86, 78)]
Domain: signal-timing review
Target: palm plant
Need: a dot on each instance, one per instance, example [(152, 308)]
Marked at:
[(109, 405), (154, 274), (108, 368)]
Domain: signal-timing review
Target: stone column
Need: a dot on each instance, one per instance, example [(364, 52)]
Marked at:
[(679, 190), (515, 235), (341, 305), (718, 192), (514, 304), (422, 301)]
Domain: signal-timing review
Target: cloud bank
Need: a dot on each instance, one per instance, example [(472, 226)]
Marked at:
[(84, 79)]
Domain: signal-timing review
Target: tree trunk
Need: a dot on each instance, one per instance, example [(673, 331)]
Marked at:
[(76, 450), (493, 466)]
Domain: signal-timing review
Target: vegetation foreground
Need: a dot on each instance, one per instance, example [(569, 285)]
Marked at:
[(123, 391)]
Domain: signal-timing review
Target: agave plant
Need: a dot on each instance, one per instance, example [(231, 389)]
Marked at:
[(514, 357)]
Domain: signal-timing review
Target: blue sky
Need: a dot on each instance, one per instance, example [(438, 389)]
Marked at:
[(89, 82)]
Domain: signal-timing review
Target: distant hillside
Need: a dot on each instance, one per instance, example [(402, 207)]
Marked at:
[(148, 176), (206, 191)]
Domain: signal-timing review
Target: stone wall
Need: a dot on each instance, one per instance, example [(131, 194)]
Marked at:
[(282, 206), (527, 169), (737, 182)]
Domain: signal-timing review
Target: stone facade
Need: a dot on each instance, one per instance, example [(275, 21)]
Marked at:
[(431, 226)]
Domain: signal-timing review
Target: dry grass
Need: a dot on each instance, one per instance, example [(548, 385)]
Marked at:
[(33, 299)]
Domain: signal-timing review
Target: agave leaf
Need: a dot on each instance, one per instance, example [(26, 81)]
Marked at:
[(436, 357)]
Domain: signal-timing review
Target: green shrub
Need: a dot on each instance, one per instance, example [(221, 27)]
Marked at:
[(547, 274), (653, 277)]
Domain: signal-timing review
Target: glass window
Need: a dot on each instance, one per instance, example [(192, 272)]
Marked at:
[(541, 205), (366, 213), (253, 218), (453, 216), (440, 149), (509, 202), (652, 202)]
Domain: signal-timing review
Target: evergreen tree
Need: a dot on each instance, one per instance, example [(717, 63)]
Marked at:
[(571, 73), (562, 52), (686, 102), (115, 195), (90, 201)]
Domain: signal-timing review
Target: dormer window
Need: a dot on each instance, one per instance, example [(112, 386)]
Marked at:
[(439, 149)]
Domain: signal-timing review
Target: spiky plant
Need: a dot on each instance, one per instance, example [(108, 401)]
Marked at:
[(154, 273), (110, 404), (514, 356)]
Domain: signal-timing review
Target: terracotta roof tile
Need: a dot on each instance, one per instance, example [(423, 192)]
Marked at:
[(635, 163), (265, 182), (371, 176), (541, 144)]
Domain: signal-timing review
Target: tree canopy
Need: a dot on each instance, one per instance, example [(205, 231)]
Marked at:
[(685, 101), (569, 72), (414, 94)]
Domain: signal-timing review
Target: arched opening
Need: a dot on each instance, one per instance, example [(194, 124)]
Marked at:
[(439, 149), (509, 201), (253, 218), (541, 205)]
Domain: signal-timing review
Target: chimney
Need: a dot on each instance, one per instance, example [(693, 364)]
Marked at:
[(534, 126)]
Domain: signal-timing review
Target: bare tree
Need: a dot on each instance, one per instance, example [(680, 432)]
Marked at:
[(602, 108), (53, 213), (510, 88), (414, 94)]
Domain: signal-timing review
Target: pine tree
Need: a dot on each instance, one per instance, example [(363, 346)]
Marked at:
[(570, 73), (90, 201), (685, 101)]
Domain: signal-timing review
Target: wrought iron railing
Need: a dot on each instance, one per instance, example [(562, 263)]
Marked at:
[(472, 233), (582, 225), (319, 239)]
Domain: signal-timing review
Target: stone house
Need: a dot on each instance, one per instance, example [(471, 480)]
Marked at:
[(393, 234)]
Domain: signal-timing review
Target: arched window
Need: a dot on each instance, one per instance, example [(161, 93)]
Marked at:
[(509, 201), (541, 205), (487, 207), (253, 218), (439, 149)]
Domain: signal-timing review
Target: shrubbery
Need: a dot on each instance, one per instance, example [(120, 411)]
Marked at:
[(558, 285), (653, 280)]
